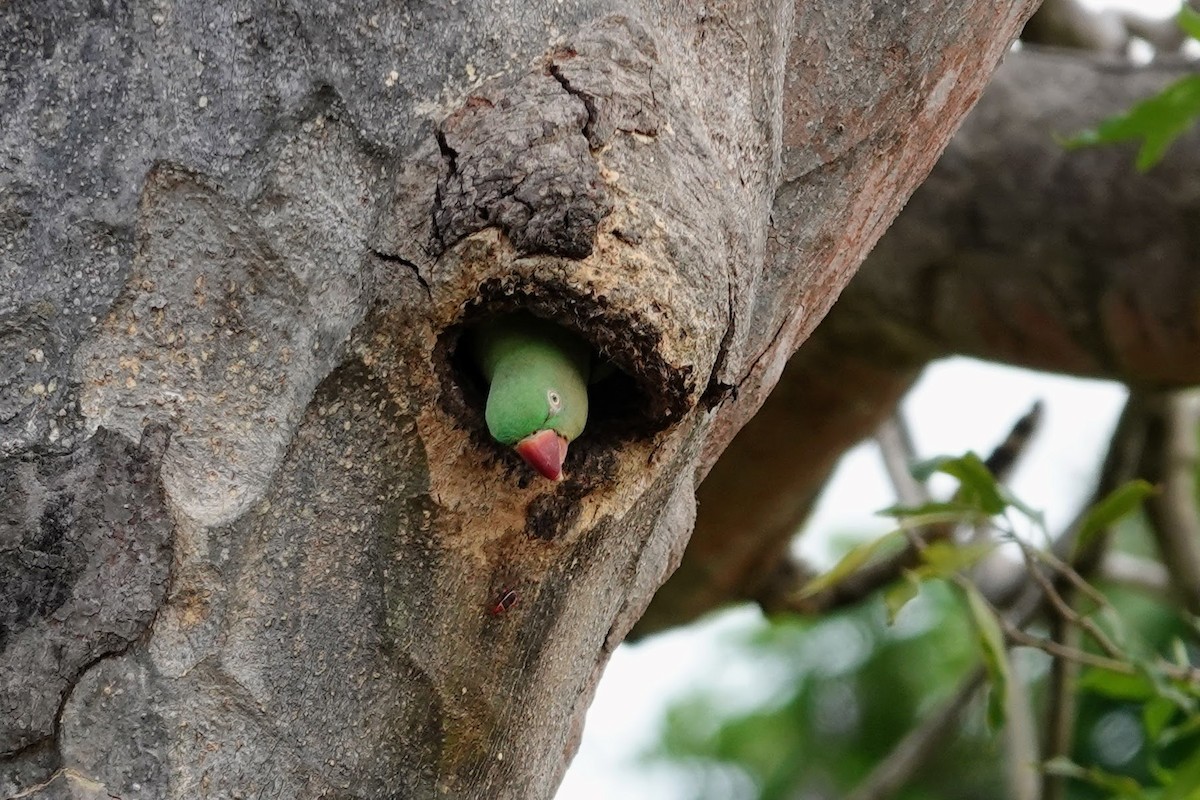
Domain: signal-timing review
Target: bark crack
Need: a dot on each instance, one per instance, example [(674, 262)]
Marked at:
[(717, 390), (450, 157), (52, 739), (448, 152), (391, 258), (35, 744), (589, 104)]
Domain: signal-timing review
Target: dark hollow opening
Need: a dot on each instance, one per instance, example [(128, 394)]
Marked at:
[(616, 403)]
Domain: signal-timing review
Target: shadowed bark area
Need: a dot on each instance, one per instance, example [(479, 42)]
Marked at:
[(265, 230), (82, 571), (1007, 252), (765, 483)]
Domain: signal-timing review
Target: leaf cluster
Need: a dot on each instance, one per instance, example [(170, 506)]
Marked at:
[(1138, 728)]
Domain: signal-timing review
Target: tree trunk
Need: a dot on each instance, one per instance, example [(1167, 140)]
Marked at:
[(1016, 250), (253, 525)]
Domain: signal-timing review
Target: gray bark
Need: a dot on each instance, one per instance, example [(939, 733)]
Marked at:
[(1021, 251), (252, 517), (1016, 250)]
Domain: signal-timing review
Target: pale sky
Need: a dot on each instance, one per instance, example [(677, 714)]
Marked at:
[(1151, 8)]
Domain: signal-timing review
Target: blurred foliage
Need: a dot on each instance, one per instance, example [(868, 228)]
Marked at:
[(832, 696), (1139, 728), (846, 688)]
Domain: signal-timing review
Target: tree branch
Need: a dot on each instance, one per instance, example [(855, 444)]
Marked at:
[(981, 262), (1066, 23), (1171, 462), (991, 259)]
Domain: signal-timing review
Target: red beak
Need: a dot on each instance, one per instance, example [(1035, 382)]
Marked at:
[(545, 451)]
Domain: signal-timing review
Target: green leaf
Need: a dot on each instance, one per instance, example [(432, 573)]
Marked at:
[(1185, 784), (1036, 515), (924, 470), (1117, 686), (896, 596), (1161, 774), (1156, 713), (1120, 503), (943, 559), (1165, 687), (948, 509), (1189, 21), (1179, 651), (1062, 765), (995, 656), (1123, 786), (1117, 630), (1156, 121), (850, 562), (978, 487), (1184, 730)]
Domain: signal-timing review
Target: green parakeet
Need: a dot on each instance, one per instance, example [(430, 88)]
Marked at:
[(537, 374)]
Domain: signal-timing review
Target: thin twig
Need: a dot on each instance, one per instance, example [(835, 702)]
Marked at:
[(898, 454), (1021, 741), (1062, 706), (1077, 581), (1017, 636), (1059, 650), (1120, 465), (1064, 609)]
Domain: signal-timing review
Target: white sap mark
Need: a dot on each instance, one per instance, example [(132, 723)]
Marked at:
[(940, 94)]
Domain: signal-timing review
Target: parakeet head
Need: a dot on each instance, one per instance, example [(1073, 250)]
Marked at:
[(537, 395), (538, 410)]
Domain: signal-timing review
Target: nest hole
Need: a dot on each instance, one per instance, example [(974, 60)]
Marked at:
[(616, 402)]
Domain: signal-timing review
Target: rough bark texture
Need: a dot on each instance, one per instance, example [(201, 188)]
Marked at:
[(248, 236), (83, 569), (1020, 251), (1013, 249)]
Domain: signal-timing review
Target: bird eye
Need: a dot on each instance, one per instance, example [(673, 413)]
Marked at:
[(554, 400)]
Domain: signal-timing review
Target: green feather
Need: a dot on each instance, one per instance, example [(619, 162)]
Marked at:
[(528, 364)]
